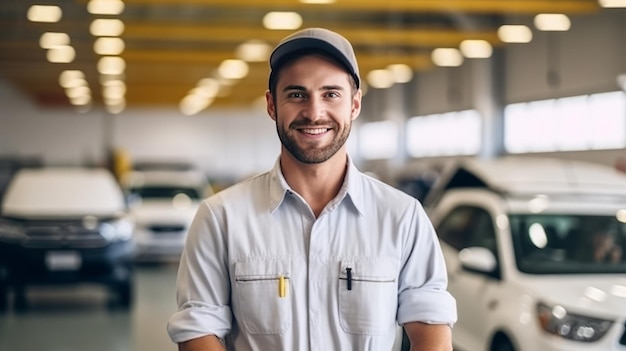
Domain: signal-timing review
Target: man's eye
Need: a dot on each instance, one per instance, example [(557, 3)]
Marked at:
[(332, 94), (296, 95)]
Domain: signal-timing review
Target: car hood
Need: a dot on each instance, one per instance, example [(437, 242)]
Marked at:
[(596, 295), (163, 212)]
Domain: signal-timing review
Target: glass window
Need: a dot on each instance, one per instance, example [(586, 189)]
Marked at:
[(560, 244), (447, 134), (468, 226), (378, 140)]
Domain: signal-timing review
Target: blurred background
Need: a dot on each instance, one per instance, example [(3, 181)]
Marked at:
[(146, 88)]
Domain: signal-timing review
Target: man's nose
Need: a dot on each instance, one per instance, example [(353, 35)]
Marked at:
[(314, 109)]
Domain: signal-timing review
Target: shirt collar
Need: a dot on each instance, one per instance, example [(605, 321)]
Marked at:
[(350, 189)]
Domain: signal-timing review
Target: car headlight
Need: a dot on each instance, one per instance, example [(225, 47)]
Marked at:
[(117, 230), (11, 232), (557, 321)]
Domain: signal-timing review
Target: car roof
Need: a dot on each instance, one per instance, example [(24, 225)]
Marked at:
[(184, 178), (63, 192), (531, 175)]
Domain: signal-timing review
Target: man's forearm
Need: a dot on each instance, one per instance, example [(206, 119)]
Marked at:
[(429, 337), (204, 343)]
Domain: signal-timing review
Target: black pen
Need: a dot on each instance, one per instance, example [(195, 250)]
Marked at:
[(349, 274)]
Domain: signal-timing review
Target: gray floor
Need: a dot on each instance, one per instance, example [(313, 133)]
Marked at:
[(77, 318)]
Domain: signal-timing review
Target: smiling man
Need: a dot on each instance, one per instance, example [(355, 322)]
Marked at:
[(314, 254)]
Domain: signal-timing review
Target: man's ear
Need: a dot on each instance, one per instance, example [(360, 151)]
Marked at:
[(271, 108), (356, 104)]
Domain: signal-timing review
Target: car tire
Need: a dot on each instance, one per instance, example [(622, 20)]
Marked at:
[(124, 291), (4, 297), (502, 343)]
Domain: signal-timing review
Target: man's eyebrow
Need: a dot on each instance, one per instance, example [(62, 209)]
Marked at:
[(294, 87), (323, 88)]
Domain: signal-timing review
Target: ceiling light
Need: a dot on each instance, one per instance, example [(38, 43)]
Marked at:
[(447, 57), (114, 89), (108, 27), (105, 7), (552, 22), (515, 33), (476, 48), (75, 92), (253, 51), (61, 54), (193, 104), (108, 46), (282, 20), (111, 65), (233, 69), (317, 1), (80, 100), (612, 3), (401, 73), (380, 78), (48, 40), (207, 87), (117, 108), (71, 77), (44, 13)]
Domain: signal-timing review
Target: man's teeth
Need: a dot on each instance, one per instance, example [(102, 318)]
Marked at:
[(314, 131)]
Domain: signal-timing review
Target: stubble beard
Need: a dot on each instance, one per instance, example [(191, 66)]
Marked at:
[(311, 153)]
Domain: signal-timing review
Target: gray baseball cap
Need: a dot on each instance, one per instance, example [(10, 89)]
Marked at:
[(316, 39)]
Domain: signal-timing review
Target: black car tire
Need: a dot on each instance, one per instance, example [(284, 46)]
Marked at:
[(4, 297), (124, 291)]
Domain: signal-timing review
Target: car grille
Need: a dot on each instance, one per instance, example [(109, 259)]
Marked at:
[(167, 228), (53, 235)]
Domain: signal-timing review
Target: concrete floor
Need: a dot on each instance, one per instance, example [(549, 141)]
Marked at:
[(77, 318)]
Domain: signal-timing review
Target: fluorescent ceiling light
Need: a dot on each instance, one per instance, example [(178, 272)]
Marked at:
[(476, 48), (75, 92), (380, 78), (108, 27), (552, 22), (111, 65), (44, 13), (71, 78), (233, 69), (48, 40), (61, 54), (114, 89), (447, 57), (254, 51), (282, 20), (108, 46), (515, 34), (612, 3), (105, 7), (401, 73)]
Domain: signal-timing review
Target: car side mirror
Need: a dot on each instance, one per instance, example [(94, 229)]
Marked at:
[(478, 259)]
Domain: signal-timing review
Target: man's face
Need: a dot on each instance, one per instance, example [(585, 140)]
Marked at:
[(313, 108)]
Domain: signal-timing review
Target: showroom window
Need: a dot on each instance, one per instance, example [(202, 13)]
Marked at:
[(378, 140), (446, 134), (587, 122)]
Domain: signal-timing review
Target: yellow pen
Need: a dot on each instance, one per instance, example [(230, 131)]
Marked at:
[(282, 287)]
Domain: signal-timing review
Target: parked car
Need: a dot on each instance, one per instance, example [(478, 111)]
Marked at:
[(519, 239), (163, 204), (65, 226)]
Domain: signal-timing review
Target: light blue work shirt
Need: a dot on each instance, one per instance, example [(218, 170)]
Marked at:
[(260, 271)]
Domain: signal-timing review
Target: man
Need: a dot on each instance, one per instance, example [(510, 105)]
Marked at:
[(312, 255)]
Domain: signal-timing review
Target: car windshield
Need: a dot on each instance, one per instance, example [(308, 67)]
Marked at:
[(574, 244), (167, 192)]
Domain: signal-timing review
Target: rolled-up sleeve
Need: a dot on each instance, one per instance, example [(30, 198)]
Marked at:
[(203, 284), (423, 294)]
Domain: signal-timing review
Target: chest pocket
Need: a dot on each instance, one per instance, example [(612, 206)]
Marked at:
[(368, 295), (263, 295)]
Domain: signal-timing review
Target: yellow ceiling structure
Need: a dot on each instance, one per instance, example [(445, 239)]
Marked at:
[(170, 45)]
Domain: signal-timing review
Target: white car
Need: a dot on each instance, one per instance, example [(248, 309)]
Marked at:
[(162, 205), (518, 239)]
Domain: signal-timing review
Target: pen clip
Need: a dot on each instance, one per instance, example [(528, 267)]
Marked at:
[(349, 277), (282, 287)]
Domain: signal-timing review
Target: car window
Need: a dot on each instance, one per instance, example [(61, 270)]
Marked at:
[(468, 226), (559, 243), (167, 192)]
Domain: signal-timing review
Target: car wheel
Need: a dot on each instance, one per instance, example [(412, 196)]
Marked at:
[(502, 343), (4, 297), (20, 301), (124, 292)]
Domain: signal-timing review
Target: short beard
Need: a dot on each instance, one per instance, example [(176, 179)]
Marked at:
[(314, 154)]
